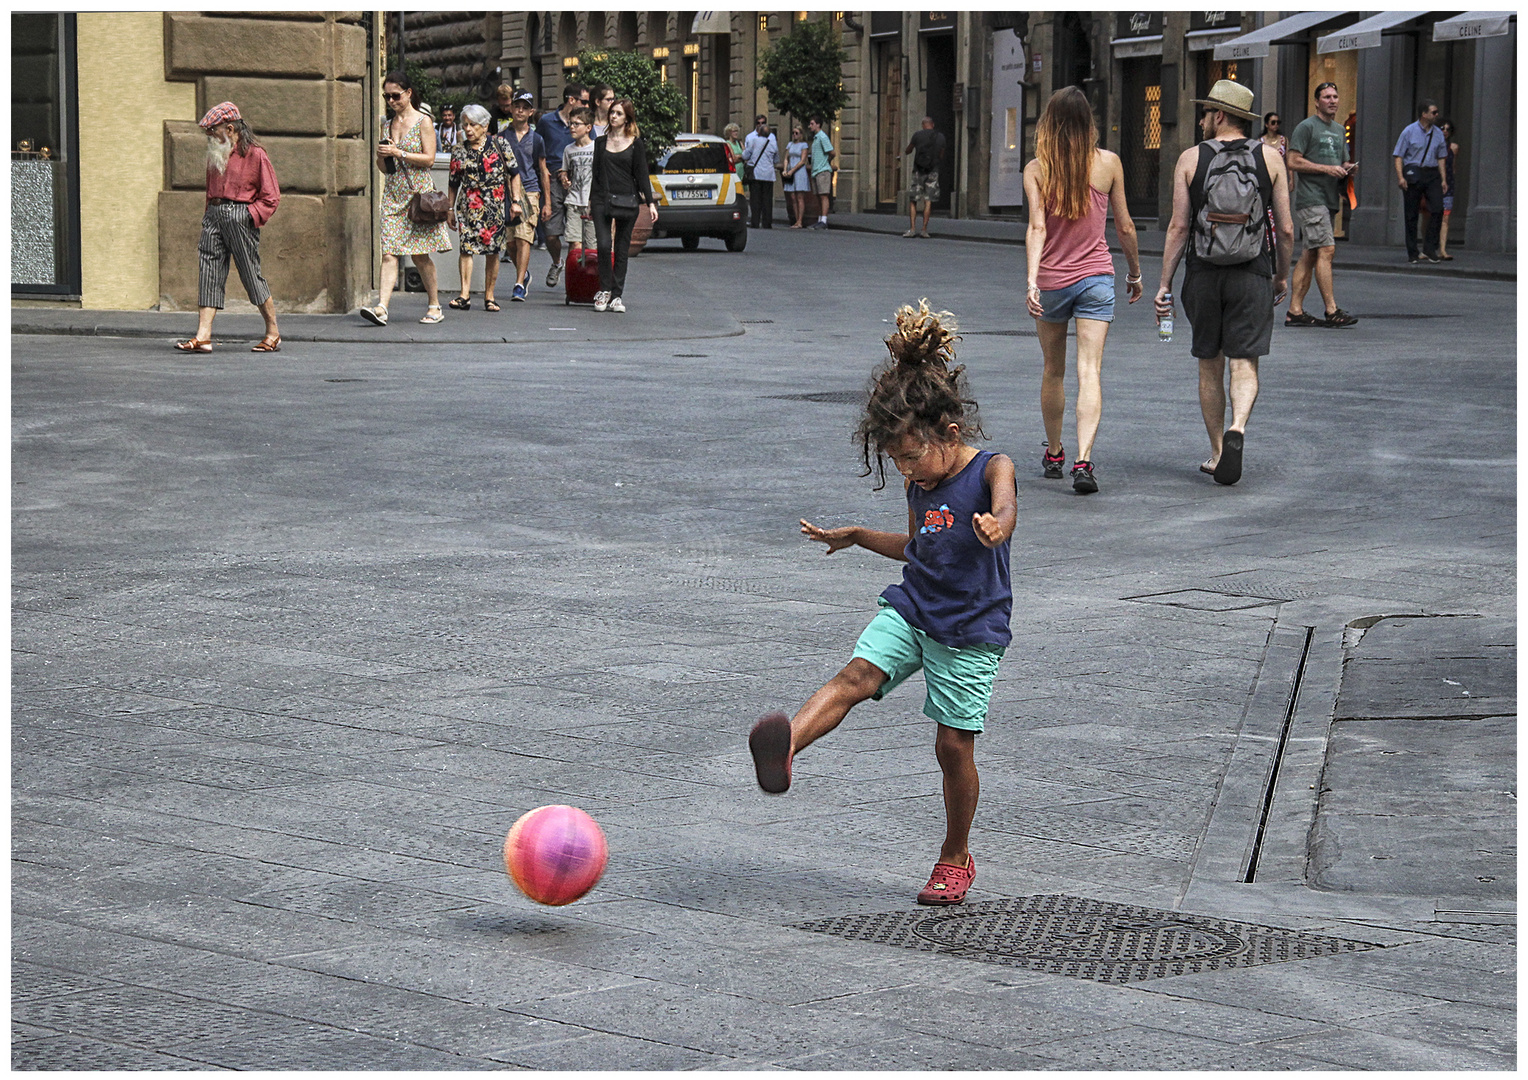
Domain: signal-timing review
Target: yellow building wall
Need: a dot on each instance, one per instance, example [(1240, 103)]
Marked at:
[(123, 103)]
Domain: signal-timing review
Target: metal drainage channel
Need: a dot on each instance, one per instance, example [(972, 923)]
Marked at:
[(832, 397), (1086, 939)]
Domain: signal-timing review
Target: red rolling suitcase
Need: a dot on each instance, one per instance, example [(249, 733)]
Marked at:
[(582, 278)]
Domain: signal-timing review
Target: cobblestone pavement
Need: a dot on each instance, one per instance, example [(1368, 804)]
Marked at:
[(296, 639)]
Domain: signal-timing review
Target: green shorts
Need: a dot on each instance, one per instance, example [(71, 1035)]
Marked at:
[(959, 681)]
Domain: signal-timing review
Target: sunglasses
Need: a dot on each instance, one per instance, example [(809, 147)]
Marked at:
[(393, 97)]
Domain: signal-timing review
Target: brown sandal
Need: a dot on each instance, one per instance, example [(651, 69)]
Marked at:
[(194, 345), (268, 344)]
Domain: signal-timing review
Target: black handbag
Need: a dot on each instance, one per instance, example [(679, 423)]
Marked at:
[(429, 207)]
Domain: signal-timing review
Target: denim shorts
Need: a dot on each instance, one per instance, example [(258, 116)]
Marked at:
[(959, 681), (1090, 298)]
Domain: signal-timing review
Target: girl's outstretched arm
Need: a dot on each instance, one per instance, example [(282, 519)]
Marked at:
[(891, 545), (994, 528)]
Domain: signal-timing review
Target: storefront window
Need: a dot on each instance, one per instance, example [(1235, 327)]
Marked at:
[(44, 156)]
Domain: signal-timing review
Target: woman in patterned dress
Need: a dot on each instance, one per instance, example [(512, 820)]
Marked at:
[(482, 170), (410, 149)]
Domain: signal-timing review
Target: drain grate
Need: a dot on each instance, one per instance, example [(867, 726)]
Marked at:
[(1086, 939), (999, 333), (755, 322), (837, 397), (1407, 315), (344, 380)]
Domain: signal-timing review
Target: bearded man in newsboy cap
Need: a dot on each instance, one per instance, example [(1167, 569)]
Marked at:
[(241, 197)]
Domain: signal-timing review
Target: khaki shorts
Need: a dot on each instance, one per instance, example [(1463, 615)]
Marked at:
[(523, 229), (578, 227), (822, 183), (1316, 227)]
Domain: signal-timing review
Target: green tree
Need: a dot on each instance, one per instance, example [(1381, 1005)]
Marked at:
[(659, 104), (802, 72)]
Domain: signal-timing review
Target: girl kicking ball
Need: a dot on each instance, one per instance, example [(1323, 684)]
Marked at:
[(949, 614)]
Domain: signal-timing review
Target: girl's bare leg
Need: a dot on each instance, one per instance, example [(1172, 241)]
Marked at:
[(956, 751)]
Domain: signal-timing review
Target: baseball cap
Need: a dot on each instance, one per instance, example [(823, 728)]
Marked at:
[(525, 96)]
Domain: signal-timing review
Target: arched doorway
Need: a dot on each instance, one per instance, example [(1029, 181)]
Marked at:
[(626, 31)]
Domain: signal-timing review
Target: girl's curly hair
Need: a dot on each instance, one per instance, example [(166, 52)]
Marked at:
[(916, 392)]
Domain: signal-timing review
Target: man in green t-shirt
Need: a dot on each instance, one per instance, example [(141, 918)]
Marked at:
[(1318, 157)]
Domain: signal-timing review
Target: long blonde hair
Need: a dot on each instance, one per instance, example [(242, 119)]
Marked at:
[(1065, 141)]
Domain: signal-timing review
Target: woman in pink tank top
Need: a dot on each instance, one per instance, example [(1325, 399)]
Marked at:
[(1070, 187)]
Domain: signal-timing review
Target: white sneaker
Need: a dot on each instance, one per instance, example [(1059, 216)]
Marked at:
[(616, 305), (601, 301), (553, 275)]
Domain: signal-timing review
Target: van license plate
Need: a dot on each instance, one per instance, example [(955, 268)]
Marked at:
[(692, 193)]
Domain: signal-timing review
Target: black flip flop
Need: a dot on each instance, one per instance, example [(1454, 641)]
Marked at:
[(1228, 469)]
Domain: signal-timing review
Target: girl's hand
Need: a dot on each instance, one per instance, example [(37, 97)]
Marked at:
[(1032, 301), (1134, 289), (836, 539), (451, 218), (653, 209), (988, 530), (389, 150)]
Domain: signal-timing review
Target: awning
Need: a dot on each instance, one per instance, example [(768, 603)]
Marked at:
[(1252, 45), (1366, 33), (712, 22), (1473, 24)]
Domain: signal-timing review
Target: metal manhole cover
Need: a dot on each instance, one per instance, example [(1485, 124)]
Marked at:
[(837, 397), (1086, 939)]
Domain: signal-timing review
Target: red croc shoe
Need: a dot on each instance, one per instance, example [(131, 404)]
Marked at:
[(949, 884), (770, 744)]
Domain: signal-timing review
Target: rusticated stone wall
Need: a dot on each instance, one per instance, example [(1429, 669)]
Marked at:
[(302, 80)]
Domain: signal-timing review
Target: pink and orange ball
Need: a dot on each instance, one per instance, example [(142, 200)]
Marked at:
[(555, 854)]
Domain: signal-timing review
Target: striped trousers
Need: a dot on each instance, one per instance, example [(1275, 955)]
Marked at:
[(228, 232)]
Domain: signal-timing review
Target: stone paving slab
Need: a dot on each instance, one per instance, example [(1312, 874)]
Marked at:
[(291, 655)]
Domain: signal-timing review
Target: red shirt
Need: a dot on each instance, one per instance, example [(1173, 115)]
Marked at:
[(249, 179)]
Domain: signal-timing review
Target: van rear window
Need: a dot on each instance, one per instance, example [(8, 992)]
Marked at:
[(697, 157)]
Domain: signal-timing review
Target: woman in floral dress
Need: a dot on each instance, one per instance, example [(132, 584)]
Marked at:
[(482, 170), (409, 149)]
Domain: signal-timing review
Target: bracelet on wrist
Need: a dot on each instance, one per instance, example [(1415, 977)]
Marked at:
[(1132, 280)]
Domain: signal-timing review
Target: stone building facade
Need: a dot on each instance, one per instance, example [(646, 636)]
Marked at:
[(139, 81)]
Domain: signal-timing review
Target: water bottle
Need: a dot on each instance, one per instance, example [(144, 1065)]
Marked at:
[(1165, 323)]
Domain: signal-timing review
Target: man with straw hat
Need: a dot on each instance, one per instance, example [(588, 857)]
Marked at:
[(1222, 191)]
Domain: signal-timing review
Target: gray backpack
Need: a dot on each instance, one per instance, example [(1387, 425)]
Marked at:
[(1228, 229)]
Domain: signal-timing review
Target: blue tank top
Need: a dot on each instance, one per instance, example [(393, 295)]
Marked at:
[(955, 589)]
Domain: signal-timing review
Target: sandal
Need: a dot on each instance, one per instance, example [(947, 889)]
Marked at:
[(948, 884), (194, 345), (433, 315), (461, 303), (490, 304), (268, 344), (1304, 318), (376, 315), (770, 744)]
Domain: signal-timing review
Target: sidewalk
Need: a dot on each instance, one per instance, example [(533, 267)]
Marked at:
[(670, 311), (1490, 266)]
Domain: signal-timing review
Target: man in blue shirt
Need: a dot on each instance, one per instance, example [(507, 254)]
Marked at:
[(1419, 156), (822, 169), (555, 136), (530, 154)]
